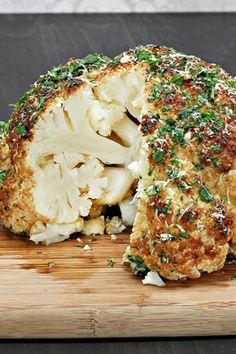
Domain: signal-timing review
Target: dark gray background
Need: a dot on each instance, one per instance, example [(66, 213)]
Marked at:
[(31, 44)]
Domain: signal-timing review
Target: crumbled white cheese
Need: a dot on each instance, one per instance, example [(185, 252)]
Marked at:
[(87, 248), (218, 215), (113, 237), (125, 59), (153, 278), (188, 136), (165, 237)]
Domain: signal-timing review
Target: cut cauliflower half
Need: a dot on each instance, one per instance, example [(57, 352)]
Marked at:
[(153, 122), (73, 153)]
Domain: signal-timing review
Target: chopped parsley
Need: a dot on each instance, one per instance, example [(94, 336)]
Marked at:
[(137, 265), (163, 257), (191, 216), (202, 99), (184, 234), (177, 79), (166, 208), (209, 78), (151, 58), (21, 130), (150, 170), (215, 161), (154, 190), (159, 156), (41, 101), (22, 100), (4, 127), (110, 262), (167, 108), (231, 83), (197, 167), (93, 239), (3, 175), (51, 264), (156, 92), (205, 195), (216, 148)]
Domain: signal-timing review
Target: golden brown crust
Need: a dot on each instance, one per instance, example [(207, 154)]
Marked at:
[(191, 137)]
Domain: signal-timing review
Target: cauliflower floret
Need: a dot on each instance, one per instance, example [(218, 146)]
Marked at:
[(128, 208), (51, 233), (114, 225), (95, 211), (94, 226), (63, 193), (153, 278), (102, 116), (119, 182)]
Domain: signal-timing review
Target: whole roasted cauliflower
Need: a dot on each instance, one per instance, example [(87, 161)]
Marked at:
[(152, 130)]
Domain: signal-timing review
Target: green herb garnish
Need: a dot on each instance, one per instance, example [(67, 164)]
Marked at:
[(21, 130), (166, 207), (3, 175), (184, 234), (205, 195), (4, 128), (154, 190), (215, 161), (159, 156), (51, 264), (216, 148), (197, 167), (155, 94), (110, 262), (93, 239), (167, 108), (177, 79), (137, 265), (150, 170)]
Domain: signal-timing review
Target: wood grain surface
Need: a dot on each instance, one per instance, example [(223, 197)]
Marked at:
[(64, 291)]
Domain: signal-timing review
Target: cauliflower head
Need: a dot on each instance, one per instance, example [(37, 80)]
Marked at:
[(152, 131)]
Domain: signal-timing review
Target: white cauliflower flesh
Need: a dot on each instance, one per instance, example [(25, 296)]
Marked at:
[(114, 225), (153, 278), (52, 233), (128, 208), (94, 226), (82, 146)]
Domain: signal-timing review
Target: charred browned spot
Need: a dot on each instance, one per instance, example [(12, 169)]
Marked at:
[(177, 100), (148, 125), (188, 219), (225, 163), (206, 154), (221, 230), (225, 98), (231, 146), (211, 251)]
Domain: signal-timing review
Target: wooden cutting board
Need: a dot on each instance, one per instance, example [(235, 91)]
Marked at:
[(65, 292)]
